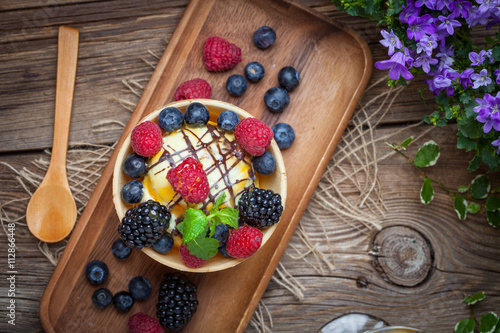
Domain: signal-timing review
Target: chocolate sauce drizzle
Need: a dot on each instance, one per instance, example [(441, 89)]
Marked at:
[(226, 150)]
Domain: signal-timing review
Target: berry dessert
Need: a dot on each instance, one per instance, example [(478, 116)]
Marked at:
[(220, 55), (177, 301), (264, 37), (192, 188)]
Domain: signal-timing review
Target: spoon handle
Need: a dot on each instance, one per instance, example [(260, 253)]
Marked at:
[(67, 54)]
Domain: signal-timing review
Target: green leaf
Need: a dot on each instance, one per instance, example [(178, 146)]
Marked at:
[(427, 155), (466, 143), (180, 227), (465, 326), (407, 142), (470, 128), (427, 191), (465, 98), (473, 208), (220, 199), (471, 300), (488, 323), (490, 158), (480, 187), (474, 164), (460, 206), (463, 189), (492, 203), (229, 216), (195, 222), (493, 218), (203, 248)]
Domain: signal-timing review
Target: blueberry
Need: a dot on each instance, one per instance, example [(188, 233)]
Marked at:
[(264, 37), (236, 85), (264, 164), (289, 78), (196, 115), (170, 119), (135, 166), (132, 192), (120, 249), (96, 272), (254, 71), (227, 120), (276, 99), (284, 135), (221, 233), (140, 288), (123, 301), (223, 251), (163, 244), (102, 297)]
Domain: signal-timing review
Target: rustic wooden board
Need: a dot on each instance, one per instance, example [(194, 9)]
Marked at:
[(335, 65)]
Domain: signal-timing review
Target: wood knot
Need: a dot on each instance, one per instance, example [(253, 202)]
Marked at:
[(404, 255)]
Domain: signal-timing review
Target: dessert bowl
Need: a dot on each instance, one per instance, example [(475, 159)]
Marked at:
[(276, 182)]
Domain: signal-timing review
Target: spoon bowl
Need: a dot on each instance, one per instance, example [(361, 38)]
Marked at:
[(51, 212)]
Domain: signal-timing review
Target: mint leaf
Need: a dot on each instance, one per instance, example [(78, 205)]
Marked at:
[(473, 208), (493, 218), (180, 227), (195, 222), (488, 323), (471, 300), (229, 216), (427, 155), (427, 191), (203, 248), (465, 326), (480, 187), (492, 203), (460, 206), (220, 199)]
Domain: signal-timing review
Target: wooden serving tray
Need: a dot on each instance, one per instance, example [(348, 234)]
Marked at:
[(335, 65)]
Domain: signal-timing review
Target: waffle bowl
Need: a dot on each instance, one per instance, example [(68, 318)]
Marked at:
[(275, 182)]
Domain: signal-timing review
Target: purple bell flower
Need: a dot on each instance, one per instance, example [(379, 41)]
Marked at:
[(396, 66)]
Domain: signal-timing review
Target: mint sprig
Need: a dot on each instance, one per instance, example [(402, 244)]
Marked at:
[(196, 224)]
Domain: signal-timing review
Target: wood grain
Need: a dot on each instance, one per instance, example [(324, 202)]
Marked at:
[(112, 48)]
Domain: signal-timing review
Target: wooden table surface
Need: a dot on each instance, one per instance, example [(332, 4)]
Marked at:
[(115, 37)]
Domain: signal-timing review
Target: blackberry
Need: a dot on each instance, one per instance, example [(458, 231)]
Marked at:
[(260, 208), (143, 224), (177, 301)]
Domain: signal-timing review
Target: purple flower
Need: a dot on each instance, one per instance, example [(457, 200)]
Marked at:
[(419, 26), (448, 24), (443, 3), (427, 44), (391, 41), (425, 61), (477, 59), (496, 143), (476, 17), (487, 5), (480, 79), (428, 3), (489, 54), (498, 76), (488, 112), (445, 56), (440, 81), (396, 66), (464, 77), (408, 11), (460, 8)]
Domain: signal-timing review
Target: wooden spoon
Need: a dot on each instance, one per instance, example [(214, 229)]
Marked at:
[(51, 212)]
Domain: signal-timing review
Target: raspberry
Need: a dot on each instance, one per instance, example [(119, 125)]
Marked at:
[(253, 135), (195, 88), (243, 242), (146, 139), (220, 55), (190, 260), (189, 180), (143, 323)]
